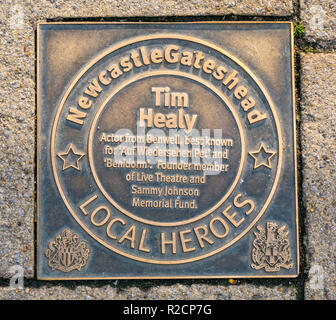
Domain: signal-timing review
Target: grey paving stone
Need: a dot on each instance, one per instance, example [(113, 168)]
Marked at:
[(319, 20), (16, 194), (175, 291), (33, 10), (17, 149), (319, 170)]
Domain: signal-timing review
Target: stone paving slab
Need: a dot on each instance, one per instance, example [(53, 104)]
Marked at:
[(16, 195), (318, 136), (319, 20), (176, 291), (33, 10)]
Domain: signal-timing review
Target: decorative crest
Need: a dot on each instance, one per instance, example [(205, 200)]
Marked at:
[(271, 248), (67, 252)]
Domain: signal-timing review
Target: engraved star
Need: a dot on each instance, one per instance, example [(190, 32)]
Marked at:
[(71, 158), (262, 157)]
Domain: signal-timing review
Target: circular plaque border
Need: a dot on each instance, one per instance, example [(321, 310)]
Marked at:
[(178, 37)]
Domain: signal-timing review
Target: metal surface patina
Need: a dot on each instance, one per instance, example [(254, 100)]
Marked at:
[(166, 150)]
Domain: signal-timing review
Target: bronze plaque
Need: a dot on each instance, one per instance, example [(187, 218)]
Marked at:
[(166, 150)]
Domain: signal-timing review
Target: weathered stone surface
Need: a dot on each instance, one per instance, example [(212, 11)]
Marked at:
[(319, 20), (16, 194), (17, 150), (33, 10), (156, 292), (319, 168)]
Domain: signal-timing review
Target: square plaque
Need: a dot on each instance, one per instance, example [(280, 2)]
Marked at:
[(166, 150)]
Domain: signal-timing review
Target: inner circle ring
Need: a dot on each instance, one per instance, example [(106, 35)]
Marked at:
[(143, 39), (196, 79)]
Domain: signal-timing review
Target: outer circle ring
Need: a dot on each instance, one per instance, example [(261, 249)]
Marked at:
[(147, 38)]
